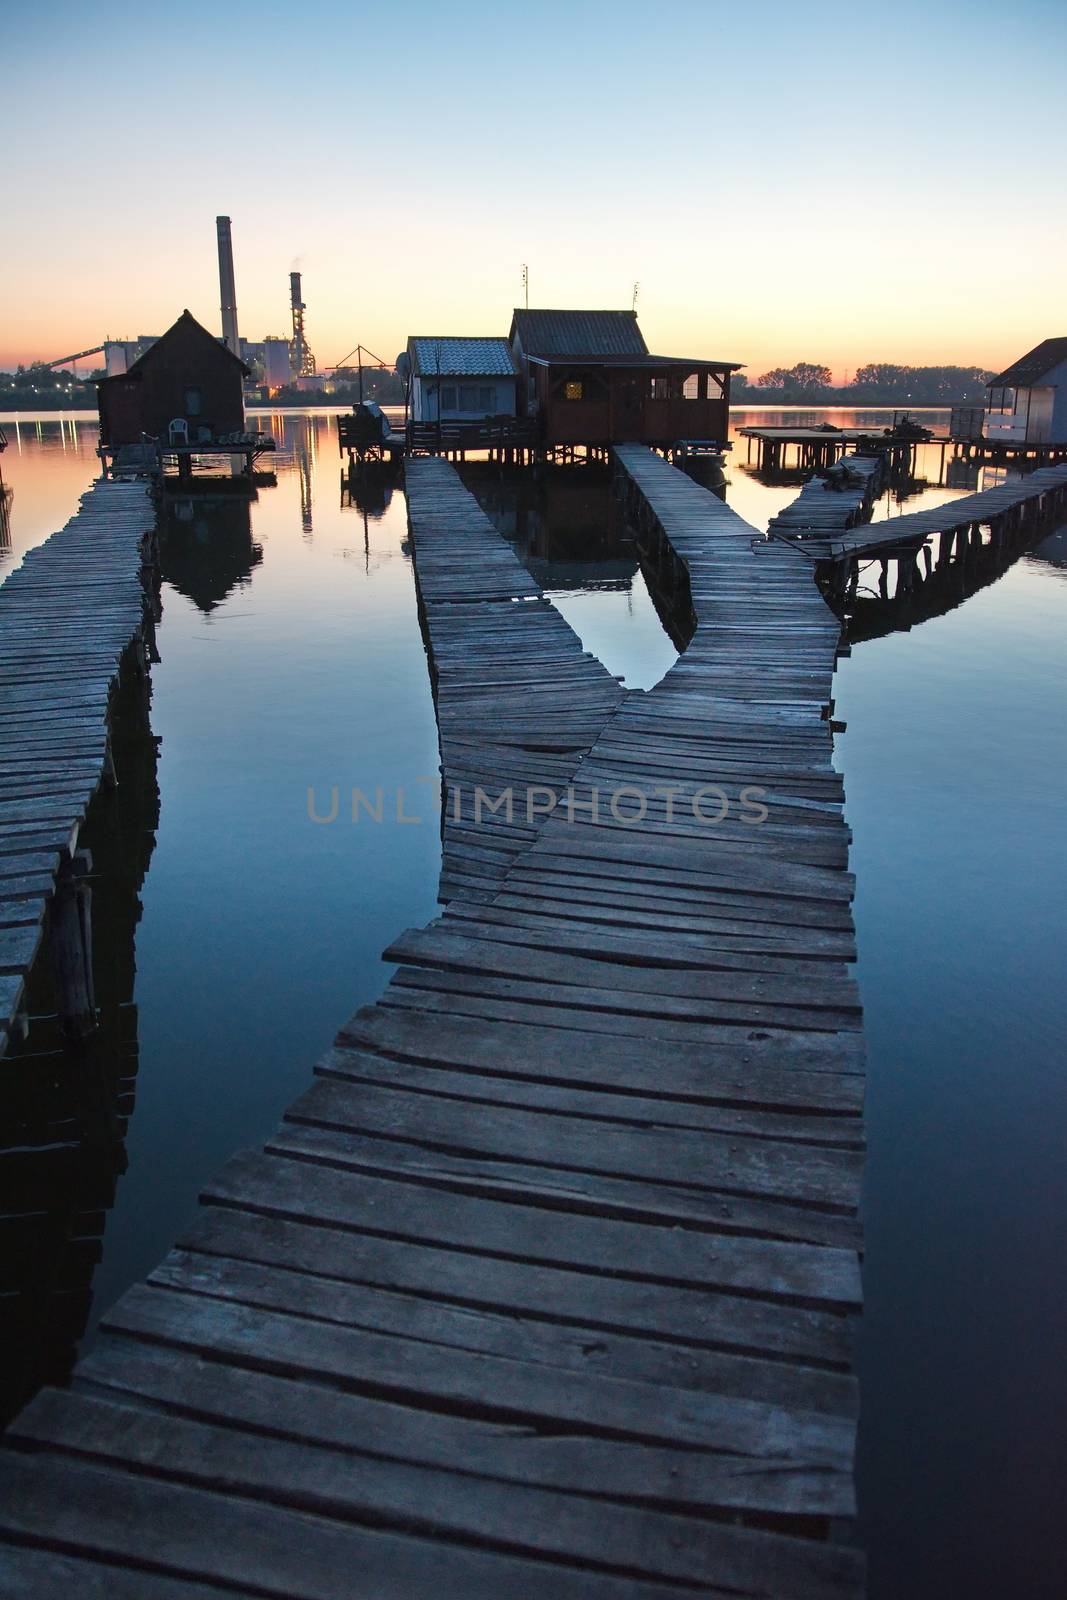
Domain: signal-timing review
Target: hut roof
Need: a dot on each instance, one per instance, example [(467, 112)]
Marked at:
[(654, 363), (461, 357), (186, 320), (579, 333), (1032, 367)]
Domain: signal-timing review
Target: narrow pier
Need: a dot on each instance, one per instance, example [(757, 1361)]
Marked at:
[(545, 1285), (518, 700), (1032, 495), (1007, 510), (68, 614), (833, 500)]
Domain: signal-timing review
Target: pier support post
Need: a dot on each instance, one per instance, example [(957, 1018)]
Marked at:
[(72, 947)]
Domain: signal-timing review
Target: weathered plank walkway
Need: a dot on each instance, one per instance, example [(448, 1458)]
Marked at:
[(544, 1287), (67, 615), (833, 500), (1032, 494), (518, 700)]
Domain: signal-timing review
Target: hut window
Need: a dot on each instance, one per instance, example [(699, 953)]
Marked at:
[(661, 386), (448, 397), (193, 400), (573, 389), (691, 387), (476, 397)]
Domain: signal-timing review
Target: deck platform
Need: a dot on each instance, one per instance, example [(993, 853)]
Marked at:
[(545, 1285), (820, 446), (1029, 496), (67, 616), (835, 500)]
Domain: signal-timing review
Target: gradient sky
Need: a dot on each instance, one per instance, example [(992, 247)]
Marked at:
[(816, 181)]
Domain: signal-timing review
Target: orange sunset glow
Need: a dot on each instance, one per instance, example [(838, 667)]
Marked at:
[(768, 211)]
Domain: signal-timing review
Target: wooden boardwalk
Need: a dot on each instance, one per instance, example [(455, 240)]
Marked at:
[(518, 700), (1031, 495), (832, 501), (545, 1286), (67, 615)]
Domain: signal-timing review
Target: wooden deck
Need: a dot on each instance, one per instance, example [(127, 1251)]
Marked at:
[(545, 1286), (821, 445), (1032, 495), (831, 502), (67, 615), (518, 701)]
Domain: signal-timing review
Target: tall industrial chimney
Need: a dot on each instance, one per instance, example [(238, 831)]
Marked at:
[(303, 360), (227, 289)]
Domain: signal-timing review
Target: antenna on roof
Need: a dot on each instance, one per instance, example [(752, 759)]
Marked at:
[(633, 306), (526, 285)]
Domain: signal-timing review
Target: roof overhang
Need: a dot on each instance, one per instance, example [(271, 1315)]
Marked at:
[(633, 363)]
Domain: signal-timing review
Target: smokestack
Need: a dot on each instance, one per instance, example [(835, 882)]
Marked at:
[(227, 289), (299, 345)]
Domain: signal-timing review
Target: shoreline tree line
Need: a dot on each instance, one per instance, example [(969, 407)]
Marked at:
[(873, 383), (38, 388)]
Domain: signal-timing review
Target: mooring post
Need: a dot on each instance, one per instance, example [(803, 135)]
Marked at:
[(72, 947)]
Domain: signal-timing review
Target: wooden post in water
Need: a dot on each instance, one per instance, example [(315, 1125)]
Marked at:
[(72, 947)]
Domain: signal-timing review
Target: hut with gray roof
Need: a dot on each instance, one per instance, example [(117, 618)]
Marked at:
[(1028, 401), (459, 380)]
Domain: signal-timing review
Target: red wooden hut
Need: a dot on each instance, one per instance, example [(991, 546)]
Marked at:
[(590, 379), (186, 389)]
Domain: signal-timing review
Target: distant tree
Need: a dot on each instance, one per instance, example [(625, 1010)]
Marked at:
[(806, 381), (892, 384), (810, 375)]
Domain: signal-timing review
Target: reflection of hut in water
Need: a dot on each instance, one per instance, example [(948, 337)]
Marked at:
[(568, 528), (369, 491), (206, 548), (962, 473), (64, 1110)]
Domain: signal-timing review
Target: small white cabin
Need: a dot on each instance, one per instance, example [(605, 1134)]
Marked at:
[(460, 380), (1027, 403)]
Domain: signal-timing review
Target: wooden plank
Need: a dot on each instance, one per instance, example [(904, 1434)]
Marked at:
[(263, 1549), (516, 1518)]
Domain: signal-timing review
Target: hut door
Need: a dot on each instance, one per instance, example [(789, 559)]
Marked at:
[(628, 410)]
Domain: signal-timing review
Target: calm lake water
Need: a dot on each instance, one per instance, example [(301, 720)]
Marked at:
[(292, 658)]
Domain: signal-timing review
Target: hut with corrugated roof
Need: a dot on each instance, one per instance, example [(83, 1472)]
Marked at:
[(589, 378), (1027, 402), (460, 380)]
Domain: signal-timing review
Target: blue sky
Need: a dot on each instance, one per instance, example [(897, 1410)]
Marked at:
[(784, 182)]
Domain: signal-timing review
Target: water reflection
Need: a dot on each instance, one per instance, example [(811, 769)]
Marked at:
[(206, 546), (570, 531), (945, 573), (260, 932), (64, 1110)]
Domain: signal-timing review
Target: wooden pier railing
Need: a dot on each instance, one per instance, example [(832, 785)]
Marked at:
[(545, 1285)]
